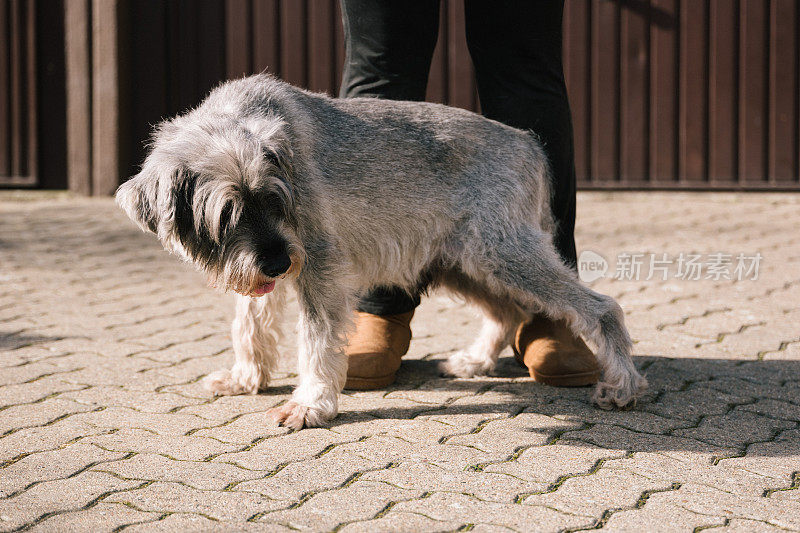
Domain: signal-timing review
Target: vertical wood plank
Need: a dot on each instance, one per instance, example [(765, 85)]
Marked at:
[(752, 98), (238, 38), (663, 92), (783, 91), (5, 90), (693, 121), (50, 129), (723, 91), (173, 52), (149, 99), (105, 98), (577, 34), (293, 50), (266, 36), (605, 91), (634, 101), (30, 155), (460, 78), (321, 51), (17, 89), (209, 36), (185, 67), (79, 111), (339, 46), (437, 79)]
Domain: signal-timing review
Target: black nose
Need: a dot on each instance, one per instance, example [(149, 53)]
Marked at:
[(276, 265)]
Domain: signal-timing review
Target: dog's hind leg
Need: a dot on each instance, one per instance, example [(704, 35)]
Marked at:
[(526, 266), (255, 333), (325, 313), (500, 319)]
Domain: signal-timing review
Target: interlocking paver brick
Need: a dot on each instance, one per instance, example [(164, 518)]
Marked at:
[(395, 522), (326, 510), (164, 497), (196, 522), (104, 423), (59, 496), (52, 465), (469, 510), (552, 464), (425, 477), (591, 495), (660, 516), (708, 501), (42, 438), (325, 472), (140, 440), (112, 516), (201, 475)]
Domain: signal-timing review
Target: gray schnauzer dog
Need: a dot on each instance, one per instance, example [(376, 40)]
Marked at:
[(266, 186)]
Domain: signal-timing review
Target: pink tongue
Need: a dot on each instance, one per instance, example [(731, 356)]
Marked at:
[(265, 288)]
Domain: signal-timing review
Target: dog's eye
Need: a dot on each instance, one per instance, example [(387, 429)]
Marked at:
[(272, 158)]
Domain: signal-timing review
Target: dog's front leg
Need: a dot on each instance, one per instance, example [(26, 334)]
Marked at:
[(255, 333), (322, 366)]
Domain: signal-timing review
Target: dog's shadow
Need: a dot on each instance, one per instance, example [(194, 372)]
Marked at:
[(18, 339), (721, 407)]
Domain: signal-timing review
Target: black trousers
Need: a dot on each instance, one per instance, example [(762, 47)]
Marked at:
[(516, 48)]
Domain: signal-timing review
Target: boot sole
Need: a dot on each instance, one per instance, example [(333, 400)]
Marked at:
[(380, 382), (582, 379), (569, 380)]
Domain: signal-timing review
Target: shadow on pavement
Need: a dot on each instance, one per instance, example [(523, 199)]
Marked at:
[(723, 407)]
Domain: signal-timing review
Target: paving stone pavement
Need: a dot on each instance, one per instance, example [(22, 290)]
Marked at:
[(104, 426)]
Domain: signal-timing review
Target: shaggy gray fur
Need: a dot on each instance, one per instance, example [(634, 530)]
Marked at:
[(349, 194)]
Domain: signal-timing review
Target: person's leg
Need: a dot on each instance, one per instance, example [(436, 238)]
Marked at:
[(516, 48), (389, 46)]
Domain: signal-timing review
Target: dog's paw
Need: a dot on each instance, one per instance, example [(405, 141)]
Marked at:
[(295, 416), (465, 365), (607, 396), (238, 380)]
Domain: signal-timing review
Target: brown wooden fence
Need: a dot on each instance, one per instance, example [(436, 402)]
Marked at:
[(685, 93), (32, 105), (17, 93), (677, 94), (688, 94)]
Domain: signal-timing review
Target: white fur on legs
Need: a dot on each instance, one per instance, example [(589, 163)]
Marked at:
[(481, 357), (322, 365), (255, 332)]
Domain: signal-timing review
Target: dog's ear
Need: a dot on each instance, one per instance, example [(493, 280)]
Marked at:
[(137, 197)]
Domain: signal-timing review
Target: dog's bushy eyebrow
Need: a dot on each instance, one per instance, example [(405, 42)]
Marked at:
[(272, 157), (216, 203)]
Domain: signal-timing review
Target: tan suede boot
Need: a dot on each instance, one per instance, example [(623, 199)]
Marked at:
[(553, 355), (374, 349)]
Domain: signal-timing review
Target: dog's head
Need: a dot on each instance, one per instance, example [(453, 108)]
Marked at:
[(217, 190)]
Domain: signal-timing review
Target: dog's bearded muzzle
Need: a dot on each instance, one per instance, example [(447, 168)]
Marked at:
[(259, 283)]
